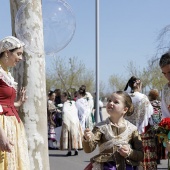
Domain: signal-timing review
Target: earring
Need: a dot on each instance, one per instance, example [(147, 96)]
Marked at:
[(6, 59)]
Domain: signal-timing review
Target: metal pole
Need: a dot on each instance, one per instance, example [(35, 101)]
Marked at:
[(97, 61)]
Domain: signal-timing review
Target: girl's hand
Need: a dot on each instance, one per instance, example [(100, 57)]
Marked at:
[(124, 150), (5, 144), (168, 146), (87, 134)]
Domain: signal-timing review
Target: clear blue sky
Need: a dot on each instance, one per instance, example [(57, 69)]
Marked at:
[(128, 32)]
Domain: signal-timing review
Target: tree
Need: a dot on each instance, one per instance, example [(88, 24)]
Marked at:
[(116, 83), (31, 73), (69, 75), (163, 40)]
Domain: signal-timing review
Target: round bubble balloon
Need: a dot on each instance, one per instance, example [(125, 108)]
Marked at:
[(27, 26), (58, 25)]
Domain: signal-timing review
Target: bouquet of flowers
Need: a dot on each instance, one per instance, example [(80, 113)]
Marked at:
[(163, 133)]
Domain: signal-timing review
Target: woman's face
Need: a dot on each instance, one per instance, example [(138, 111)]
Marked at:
[(14, 57), (166, 71)]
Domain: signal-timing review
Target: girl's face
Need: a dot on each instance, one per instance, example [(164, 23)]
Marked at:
[(14, 57), (116, 107), (166, 71)]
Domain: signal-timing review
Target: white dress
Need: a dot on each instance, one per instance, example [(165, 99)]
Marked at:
[(71, 133), (83, 111)]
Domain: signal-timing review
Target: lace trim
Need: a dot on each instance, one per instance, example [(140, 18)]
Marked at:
[(8, 79), (113, 140)]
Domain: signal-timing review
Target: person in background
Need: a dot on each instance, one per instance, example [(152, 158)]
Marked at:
[(71, 133), (119, 143), (83, 107), (57, 97), (75, 95), (51, 114), (164, 64), (142, 118), (156, 117), (90, 119), (13, 141)]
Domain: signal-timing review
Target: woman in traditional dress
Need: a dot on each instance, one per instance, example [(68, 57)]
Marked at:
[(156, 117), (71, 133), (13, 143), (83, 108), (142, 118)]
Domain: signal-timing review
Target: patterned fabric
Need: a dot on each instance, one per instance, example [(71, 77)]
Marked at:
[(107, 136), (9, 43), (18, 159), (142, 118), (150, 154), (142, 111), (156, 117)]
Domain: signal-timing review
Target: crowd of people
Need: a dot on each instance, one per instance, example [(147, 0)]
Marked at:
[(68, 117), (126, 139)]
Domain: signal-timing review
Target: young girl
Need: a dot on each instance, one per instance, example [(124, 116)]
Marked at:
[(118, 140)]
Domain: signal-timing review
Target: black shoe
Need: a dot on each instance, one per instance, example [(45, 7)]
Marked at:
[(69, 153), (50, 148), (76, 153)]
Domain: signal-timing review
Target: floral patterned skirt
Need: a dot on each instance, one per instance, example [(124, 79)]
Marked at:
[(150, 151), (18, 159)]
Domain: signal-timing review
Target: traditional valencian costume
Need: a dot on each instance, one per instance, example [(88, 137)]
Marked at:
[(13, 127), (71, 133), (109, 137), (142, 118)]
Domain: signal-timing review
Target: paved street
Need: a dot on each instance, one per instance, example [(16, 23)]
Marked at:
[(58, 160)]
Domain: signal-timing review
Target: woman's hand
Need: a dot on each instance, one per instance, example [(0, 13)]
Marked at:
[(124, 150), (87, 134), (5, 143), (22, 97)]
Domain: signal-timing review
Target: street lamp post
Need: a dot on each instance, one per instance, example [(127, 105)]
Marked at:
[(97, 59)]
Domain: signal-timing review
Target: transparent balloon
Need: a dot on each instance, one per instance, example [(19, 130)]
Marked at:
[(59, 25), (28, 29)]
